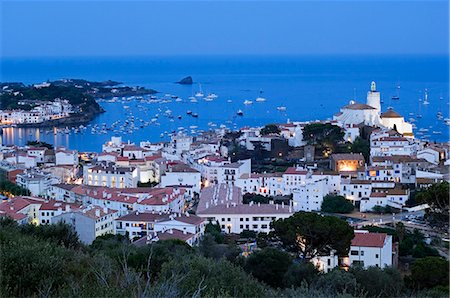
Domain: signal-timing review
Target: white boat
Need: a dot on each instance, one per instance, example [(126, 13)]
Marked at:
[(194, 100), (229, 101), (200, 92), (179, 99), (240, 113), (425, 101), (437, 132), (260, 98), (248, 102), (212, 96), (281, 108), (208, 99)]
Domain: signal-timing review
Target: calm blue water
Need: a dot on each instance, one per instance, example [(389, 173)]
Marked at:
[(311, 87)]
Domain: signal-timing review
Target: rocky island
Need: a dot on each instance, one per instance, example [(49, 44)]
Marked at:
[(186, 81), (58, 103)]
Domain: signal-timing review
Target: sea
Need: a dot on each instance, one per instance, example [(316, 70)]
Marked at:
[(309, 87)]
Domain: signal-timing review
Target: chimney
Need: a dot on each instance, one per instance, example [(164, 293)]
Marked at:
[(184, 232), (170, 231), (105, 210), (276, 206), (97, 212), (67, 208)]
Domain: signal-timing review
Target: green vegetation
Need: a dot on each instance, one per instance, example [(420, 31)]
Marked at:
[(361, 145), (383, 209), (437, 197), (326, 137), (269, 266), (311, 234), (32, 95), (270, 129), (336, 204), (429, 272), (49, 261), (8, 188)]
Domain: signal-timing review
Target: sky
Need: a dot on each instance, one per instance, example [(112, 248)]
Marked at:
[(140, 28)]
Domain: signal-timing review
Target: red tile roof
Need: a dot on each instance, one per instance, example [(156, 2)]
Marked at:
[(369, 239)]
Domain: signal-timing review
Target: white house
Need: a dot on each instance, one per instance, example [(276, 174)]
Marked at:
[(38, 183), (222, 203), (89, 222), (229, 173), (370, 249), (309, 196), (140, 224), (110, 175), (66, 157), (180, 174)]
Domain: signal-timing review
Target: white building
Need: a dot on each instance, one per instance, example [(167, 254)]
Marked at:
[(309, 196), (141, 224), (110, 175), (89, 222), (222, 203), (66, 157), (38, 183), (229, 173), (370, 249), (366, 250), (180, 174)]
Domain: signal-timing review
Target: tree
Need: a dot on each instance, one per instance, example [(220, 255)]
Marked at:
[(436, 196), (200, 277), (429, 272), (311, 234), (298, 273), (336, 204), (270, 129), (327, 136), (379, 282), (269, 266), (361, 145), (215, 231)]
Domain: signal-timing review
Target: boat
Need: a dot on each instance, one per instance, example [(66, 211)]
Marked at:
[(395, 97), (437, 132), (194, 100), (425, 100), (229, 101), (240, 113), (179, 99), (208, 99), (195, 115), (212, 96), (189, 112), (248, 102), (260, 98), (199, 93), (281, 108), (179, 117)]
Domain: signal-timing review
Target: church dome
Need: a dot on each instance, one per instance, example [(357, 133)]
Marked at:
[(391, 114)]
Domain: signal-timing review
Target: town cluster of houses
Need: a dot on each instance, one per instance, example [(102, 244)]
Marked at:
[(44, 111), (171, 190)]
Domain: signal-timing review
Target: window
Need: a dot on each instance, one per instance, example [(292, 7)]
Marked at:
[(354, 252), (255, 226), (241, 219), (362, 252), (241, 226), (329, 262), (229, 219), (376, 256)]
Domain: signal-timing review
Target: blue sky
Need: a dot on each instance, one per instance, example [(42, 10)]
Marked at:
[(124, 28)]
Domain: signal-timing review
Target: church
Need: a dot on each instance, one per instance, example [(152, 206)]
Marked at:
[(370, 114)]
